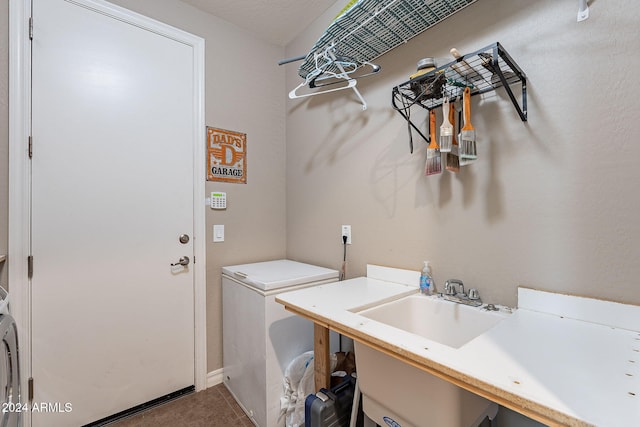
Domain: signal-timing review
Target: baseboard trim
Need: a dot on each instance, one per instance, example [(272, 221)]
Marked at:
[(215, 377)]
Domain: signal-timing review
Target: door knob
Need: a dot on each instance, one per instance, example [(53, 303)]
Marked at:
[(184, 261)]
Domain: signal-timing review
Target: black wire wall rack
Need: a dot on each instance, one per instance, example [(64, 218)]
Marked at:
[(483, 71)]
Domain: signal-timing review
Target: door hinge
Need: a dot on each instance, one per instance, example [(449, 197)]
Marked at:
[(30, 391), (30, 266), (194, 259), (31, 28), (30, 146)]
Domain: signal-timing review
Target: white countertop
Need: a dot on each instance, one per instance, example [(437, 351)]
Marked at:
[(543, 364)]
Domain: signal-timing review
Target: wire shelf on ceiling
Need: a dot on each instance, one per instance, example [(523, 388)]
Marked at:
[(371, 28)]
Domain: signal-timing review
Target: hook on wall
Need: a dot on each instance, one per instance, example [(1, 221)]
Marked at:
[(583, 10)]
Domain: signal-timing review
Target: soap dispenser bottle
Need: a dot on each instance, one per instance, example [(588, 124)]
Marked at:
[(426, 280)]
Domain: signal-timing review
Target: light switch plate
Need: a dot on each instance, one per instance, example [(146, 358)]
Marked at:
[(218, 233)]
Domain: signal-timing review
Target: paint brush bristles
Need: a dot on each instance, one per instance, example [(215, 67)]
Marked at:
[(434, 159), (453, 161)]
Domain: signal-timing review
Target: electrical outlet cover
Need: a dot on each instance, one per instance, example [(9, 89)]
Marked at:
[(346, 231)]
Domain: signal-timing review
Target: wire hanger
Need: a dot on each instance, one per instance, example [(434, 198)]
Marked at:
[(374, 70), (328, 66)]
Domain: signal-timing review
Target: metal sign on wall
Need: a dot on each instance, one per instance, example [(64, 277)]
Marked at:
[(227, 155)]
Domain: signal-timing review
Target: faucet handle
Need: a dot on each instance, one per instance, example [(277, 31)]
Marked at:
[(449, 289), (473, 294)]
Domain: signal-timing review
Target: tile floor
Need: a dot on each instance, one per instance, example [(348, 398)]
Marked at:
[(213, 407)]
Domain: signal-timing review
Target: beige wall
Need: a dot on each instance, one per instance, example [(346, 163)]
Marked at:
[(4, 136), (551, 204)]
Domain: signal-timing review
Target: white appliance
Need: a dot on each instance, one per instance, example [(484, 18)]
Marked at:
[(261, 338), (12, 406)]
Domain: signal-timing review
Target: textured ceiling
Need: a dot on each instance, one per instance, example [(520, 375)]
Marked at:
[(278, 21)]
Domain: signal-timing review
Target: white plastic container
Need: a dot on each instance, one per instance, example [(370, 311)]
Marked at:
[(394, 391), (261, 338)]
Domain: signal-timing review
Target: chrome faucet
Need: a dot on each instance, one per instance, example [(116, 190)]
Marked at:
[(459, 296), (449, 289)]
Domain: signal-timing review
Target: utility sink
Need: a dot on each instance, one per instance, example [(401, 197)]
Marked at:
[(438, 320), (395, 393)]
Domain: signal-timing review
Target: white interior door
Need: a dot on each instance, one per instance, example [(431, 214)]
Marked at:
[(112, 191)]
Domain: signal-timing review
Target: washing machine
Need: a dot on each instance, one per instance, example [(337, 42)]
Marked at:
[(261, 338), (12, 407)]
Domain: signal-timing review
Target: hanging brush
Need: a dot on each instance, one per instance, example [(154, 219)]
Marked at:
[(434, 160), (453, 161), (446, 129), (468, 132)]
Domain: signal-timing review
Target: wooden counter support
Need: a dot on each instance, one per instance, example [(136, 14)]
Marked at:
[(322, 363)]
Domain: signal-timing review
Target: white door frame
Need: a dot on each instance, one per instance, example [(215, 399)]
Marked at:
[(20, 173)]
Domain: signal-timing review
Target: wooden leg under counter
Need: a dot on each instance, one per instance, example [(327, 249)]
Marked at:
[(321, 361)]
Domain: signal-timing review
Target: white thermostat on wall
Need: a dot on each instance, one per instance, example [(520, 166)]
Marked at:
[(218, 200)]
